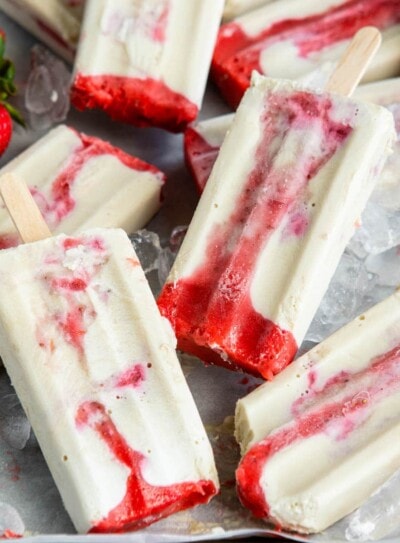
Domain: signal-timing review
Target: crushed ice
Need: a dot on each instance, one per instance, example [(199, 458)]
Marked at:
[(14, 426), (369, 270), (157, 257), (378, 517), (47, 89)]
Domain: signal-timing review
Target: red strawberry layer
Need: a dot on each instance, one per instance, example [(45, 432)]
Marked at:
[(142, 102)]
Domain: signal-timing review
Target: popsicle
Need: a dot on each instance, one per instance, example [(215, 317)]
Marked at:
[(117, 424), (290, 39), (55, 22), (81, 182), (290, 181), (325, 437), (146, 63), (203, 140)]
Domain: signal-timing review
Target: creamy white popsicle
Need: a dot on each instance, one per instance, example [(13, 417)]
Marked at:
[(146, 62), (94, 366), (55, 22), (325, 439), (272, 224), (291, 39), (81, 182)]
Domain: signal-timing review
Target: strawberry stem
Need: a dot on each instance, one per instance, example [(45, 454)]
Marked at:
[(7, 85)]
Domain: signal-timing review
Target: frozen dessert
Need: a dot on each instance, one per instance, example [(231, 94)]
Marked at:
[(94, 366), (321, 438), (290, 39), (146, 63), (80, 182), (290, 181)]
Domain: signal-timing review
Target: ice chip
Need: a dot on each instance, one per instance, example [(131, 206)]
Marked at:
[(38, 91), (147, 247), (177, 236), (15, 431), (168, 254), (379, 516), (47, 90), (11, 524), (14, 426), (386, 267)]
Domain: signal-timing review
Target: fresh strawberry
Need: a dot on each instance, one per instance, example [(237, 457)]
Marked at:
[(5, 129), (7, 89)]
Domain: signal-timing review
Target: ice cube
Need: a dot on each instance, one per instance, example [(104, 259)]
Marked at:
[(177, 236), (11, 524), (386, 267), (147, 247), (47, 89), (14, 426)]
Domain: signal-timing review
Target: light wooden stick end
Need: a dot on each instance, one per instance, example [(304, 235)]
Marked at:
[(355, 61), (23, 209)]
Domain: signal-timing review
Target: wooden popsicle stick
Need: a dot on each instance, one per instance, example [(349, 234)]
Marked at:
[(23, 209), (354, 61)]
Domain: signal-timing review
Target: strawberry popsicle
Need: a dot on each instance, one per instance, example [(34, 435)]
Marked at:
[(81, 182), (146, 63), (326, 436), (55, 22), (290, 39), (117, 425), (272, 224), (203, 140)]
